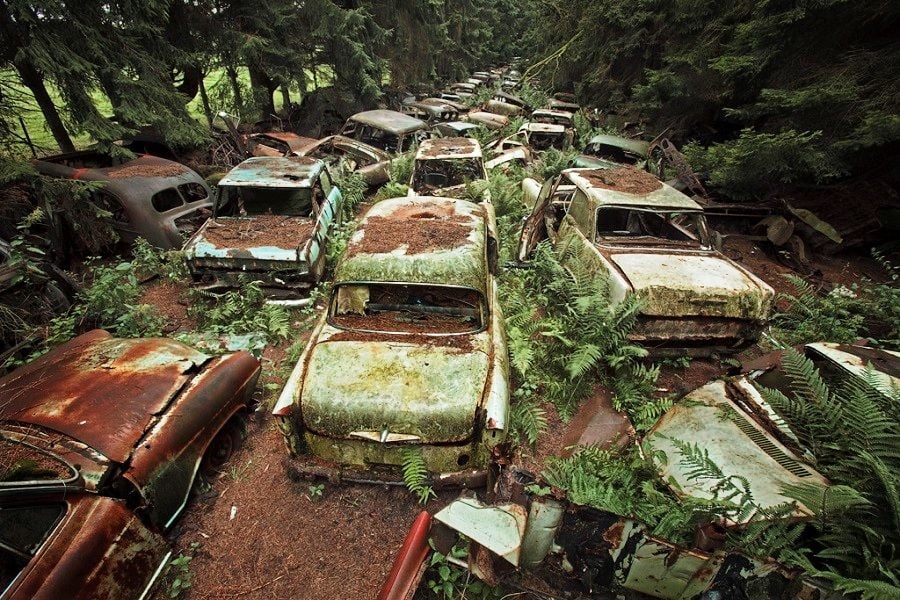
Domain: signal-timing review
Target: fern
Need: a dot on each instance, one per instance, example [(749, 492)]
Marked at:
[(415, 475), (528, 420)]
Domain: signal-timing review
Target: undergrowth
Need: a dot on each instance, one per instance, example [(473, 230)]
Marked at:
[(842, 314), (415, 475)]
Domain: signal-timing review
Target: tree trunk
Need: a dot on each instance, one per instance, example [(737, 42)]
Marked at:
[(262, 92), (204, 99), (235, 89), (285, 97), (32, 78)]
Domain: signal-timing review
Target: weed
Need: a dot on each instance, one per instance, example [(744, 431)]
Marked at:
[(447, 580), (180, 568), (316, 492), (415, 475)]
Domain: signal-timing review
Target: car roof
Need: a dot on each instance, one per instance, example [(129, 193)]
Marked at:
[(459, 125), (274, 171), (294, 142), (457, 256), (389, 120), (99, 390), (663, 197), (135, 179), (448, 147), (552, 112), (635, 146), (533, 126)]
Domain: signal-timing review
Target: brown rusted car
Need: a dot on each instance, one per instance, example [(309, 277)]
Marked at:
[(341, 153), (162, 201), (101, 442)]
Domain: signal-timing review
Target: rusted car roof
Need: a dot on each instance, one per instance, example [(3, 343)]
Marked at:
[(448, 147), (389, 120), (534, 127), (664, 197), (274, 171), (456, 256), (293, 141), (100, 391)]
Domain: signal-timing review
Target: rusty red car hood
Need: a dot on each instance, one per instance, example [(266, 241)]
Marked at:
[(86, 391)]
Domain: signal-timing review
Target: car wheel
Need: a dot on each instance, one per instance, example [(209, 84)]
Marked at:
[(223, 446)]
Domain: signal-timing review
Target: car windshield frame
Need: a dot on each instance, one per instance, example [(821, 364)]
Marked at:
[(483, 309), (702, 241), (234, 193)]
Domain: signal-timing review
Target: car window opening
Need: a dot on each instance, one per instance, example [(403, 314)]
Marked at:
[(431, 175), (401, 308), (673, 227)]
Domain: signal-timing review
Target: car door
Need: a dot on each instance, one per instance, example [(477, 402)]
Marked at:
[(534, 229), (79, 547)]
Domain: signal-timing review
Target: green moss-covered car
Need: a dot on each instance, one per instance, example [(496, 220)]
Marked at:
[(411, 352)]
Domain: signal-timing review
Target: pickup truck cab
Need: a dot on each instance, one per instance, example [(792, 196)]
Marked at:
[(410, 353), (652, 241), (444, 166), (271, 223)]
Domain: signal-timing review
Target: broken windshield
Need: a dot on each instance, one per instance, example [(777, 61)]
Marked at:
[(431, 175), (252, 201), (400, 308), (619, 225)]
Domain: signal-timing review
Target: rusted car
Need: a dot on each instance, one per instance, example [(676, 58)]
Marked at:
[(463, 89), (101, 441), (487, 120), (554, 117), (537, 136), (161, 201), (276, 143), (652, 241), (564, 101), (519, 156), (410, 354), (446, 166), (607, 150), (507, 105), (388, 130), (454, 129), (436, 110), (271, 224)]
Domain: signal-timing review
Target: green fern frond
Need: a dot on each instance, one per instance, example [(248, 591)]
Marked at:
[(415, 474)]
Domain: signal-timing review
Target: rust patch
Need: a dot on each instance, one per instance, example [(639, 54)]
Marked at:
[(613, 535), (448, 146), (625, 179), (419, 229), (138, 169), (262, 230)]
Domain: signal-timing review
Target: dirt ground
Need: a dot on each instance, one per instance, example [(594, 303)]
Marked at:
[(259, 534)]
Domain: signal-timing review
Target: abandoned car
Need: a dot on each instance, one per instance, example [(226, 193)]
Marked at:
[(487, 120), (97, 460), (435, 110), (564, 101), (537, 136), (410, 355), (387, 130), (271, 224), (446, 166), (553, 117), (604, 150), (506, 104), (463, 89), (652, 241), (150, 197), (454, 129)]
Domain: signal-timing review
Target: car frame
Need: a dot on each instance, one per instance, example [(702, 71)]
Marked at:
[(127, 424), (333, 405), (388, 130), (440, 156), (286, 268), (695, 299), (150, 197)]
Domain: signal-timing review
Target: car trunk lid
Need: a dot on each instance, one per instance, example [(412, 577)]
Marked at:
[(394, 390)]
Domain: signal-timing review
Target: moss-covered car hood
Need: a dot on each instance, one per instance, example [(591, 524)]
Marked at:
[(395, 388), (691, 284)]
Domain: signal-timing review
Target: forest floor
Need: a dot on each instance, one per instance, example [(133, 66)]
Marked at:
[(261, 533)]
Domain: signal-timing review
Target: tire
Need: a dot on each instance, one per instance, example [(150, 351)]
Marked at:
[(223, 446)]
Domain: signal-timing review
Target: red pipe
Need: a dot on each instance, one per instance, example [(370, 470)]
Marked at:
[(407, 570)]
